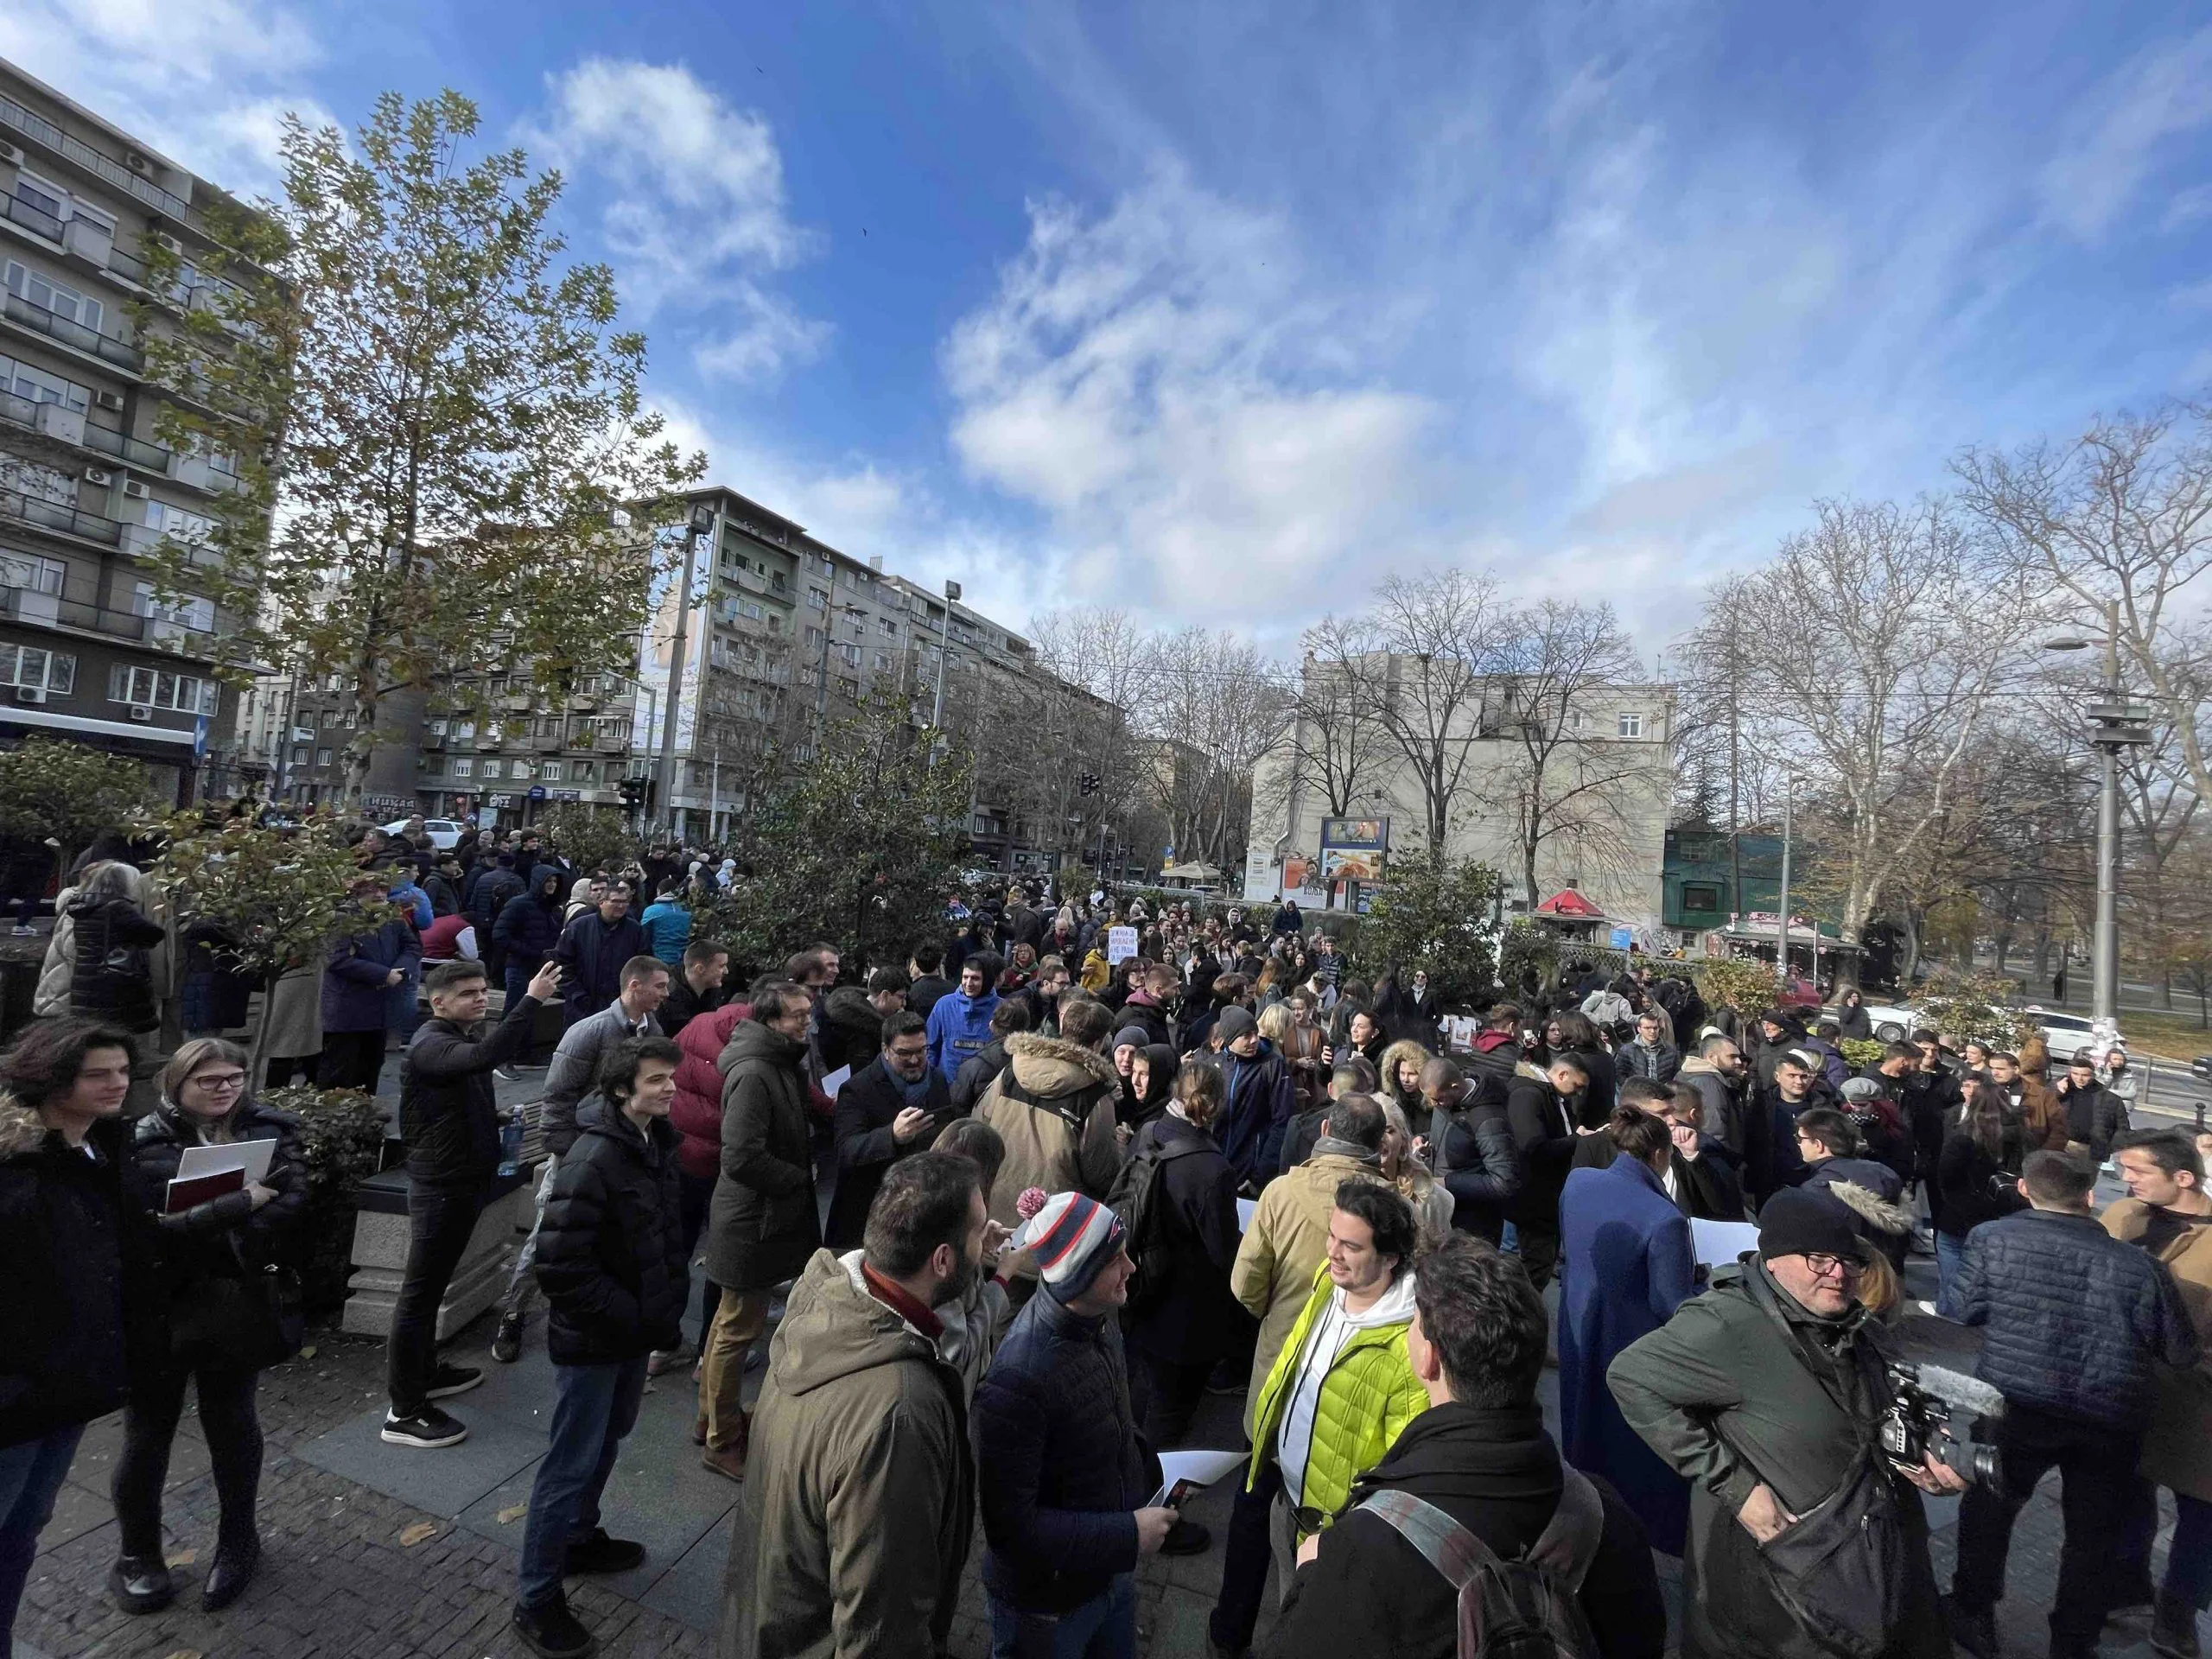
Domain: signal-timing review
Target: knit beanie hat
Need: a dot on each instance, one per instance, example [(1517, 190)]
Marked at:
[(1234, 1023), (1070, 1238), (1798, 1221), (1132, 1037)]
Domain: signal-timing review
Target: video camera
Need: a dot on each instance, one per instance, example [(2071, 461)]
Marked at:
[(1948, 1413)]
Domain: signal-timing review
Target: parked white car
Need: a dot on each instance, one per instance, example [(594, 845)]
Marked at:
[(2063, 1033), (444, 833)]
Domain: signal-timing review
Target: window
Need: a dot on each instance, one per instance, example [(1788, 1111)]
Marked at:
[(816, 600), (751, 610), (522, 771), (814, 638), (491, 768), (39, 575), (464, 731), (41, 387), (49, 198), (53, 671), (582, 771), (162, 689), (1574, 720), (464, 765), (192, 612), (1700, 898), (890, 628), (322, 757), (300, 756), (437, 728), (883, 661), (43, 291), (1632, 725)]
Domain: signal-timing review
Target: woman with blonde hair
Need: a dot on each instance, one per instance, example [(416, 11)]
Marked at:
[(1431, 1200), (224, 1307)]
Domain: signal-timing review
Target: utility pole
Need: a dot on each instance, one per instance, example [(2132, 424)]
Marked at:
[(1782, 943), (2114, 724), (702, 520)]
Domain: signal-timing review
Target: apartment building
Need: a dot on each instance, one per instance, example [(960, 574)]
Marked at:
[(86, 652)]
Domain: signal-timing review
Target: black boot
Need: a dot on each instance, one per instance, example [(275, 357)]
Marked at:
[(141, 1584), (2173, 1628), (232, 1573), (551, 1632)]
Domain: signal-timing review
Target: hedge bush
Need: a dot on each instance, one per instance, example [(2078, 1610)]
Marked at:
[(342, 1135)]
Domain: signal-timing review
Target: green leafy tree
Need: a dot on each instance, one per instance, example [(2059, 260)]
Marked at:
[(68, 792), (1435, 915), (1971, 1007), (589, 837), (1741, 985), (858, 846), (438, 416), (278, 896)]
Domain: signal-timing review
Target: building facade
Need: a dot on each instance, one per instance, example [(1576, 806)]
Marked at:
[(1610, 764), (86, 651)]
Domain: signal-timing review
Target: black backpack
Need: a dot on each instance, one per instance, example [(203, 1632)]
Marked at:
[(1521, 1609), (1137, 1199)]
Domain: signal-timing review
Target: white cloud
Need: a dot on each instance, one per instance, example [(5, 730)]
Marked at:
[(1154, 380), (206, 84), (2164, 92), (692, 206)]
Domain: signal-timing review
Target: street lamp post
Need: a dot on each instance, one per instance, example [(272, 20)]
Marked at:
[(2114, 724), (1782, 932), (702, 520)]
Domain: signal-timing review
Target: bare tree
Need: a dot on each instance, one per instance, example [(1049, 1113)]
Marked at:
[(2120, 517), (1213, 705), (1879, 645), (1338, 745), (1560, 783), (1419, 659)]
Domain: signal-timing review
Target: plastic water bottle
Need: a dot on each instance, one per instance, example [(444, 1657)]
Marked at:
[(510, 1145)]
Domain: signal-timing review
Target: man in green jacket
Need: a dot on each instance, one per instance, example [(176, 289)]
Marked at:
[(859, 1487), (1761, 1393), (1339, 1391)]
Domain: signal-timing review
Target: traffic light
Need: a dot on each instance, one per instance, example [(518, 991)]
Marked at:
[(633, 792), (1087, 783)]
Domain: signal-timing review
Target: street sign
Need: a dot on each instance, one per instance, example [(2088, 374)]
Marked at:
[(537, 792)]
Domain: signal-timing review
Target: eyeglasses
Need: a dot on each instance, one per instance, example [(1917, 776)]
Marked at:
[(1823, 1265), (222, 1082)]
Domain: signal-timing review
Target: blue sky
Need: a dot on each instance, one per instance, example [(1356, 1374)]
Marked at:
[(1220, 312)]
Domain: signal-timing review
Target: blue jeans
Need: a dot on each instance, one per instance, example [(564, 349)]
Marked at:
[(1950, 1257), (30, 1479), (1105, 1627), (593, 1407)]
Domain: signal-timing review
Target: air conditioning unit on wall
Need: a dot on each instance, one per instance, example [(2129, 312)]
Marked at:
[(11, 154), (100, 475), (142, 711), (30, 694), (134, 489)]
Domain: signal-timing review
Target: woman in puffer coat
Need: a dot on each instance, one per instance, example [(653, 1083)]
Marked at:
[(216, 1283), (697, 1115), (111, 977), (611, 1262)]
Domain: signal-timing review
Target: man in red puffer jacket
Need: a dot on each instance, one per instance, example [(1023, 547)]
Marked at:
[(697, 1114)]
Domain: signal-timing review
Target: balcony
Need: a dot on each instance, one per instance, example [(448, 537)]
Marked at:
[(36, 220), (53, 515), (74, 334), (106, 169), (67, 426)]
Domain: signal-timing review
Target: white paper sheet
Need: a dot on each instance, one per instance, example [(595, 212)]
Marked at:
[(1192, 1470), (1120, 944), (1244, 1209), (1720, 1242), (251, 1156), (837, 1080)]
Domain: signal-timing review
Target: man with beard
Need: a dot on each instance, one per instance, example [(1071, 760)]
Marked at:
[(860, 1488)]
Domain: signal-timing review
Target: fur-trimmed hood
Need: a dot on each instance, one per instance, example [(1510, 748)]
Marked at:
[(21, 1129), (1049, 1067), (1871, 1207)]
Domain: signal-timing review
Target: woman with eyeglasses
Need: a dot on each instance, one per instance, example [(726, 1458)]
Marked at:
[(220, 1310)]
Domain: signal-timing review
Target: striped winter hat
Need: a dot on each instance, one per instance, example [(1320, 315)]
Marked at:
[(1070, 1238)]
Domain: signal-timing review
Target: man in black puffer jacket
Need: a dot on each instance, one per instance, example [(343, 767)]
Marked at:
[(2077, 1325), (1061, 1477), (1471, 1149), (612, 1262)]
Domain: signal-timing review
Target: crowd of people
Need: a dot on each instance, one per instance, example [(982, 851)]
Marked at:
[(1014, 1205)]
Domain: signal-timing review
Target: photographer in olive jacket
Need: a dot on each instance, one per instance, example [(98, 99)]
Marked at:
[(1765, 1393), (228, 1309)]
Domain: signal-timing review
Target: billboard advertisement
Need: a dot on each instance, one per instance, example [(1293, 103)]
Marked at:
[(1354, 849)]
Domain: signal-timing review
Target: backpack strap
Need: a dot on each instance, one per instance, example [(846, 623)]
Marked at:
[(1444, 1543), (1013, 1090)]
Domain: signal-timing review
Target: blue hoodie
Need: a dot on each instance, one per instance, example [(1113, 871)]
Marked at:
[(960, 1028), (668, 930)]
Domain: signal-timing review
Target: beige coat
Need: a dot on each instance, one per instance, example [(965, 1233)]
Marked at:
[(2178, 1452), (1283, 1248), (1069, 1085)]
